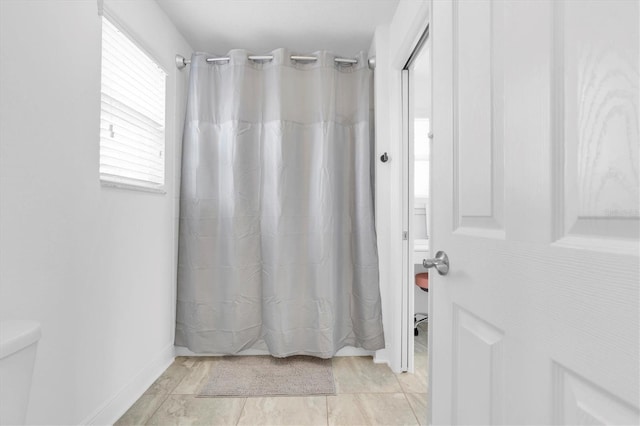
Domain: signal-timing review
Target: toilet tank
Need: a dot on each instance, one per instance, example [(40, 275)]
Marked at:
[(18, 343)]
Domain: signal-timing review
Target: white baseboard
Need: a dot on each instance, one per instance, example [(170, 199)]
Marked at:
[(116, 406), (346, 351), (183, 351), (381, 357), (351, 351)]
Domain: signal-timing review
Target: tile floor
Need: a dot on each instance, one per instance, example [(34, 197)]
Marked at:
[(366, 394)]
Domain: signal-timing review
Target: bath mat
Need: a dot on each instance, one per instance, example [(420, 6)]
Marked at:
[(247, 376)]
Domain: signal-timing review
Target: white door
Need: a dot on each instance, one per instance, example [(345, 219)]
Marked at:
[(535, 200)]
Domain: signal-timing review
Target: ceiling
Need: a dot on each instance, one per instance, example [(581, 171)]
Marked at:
[(342, 26)]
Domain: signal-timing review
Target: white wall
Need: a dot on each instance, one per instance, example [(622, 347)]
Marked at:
[(393, 45), (94, 265)]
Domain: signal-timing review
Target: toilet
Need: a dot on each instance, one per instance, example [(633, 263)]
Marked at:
[(18, 343)]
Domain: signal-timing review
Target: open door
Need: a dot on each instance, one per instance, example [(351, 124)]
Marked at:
[(535, 201)]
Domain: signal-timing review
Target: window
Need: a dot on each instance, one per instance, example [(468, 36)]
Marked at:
[(132, 114), (421, 156)]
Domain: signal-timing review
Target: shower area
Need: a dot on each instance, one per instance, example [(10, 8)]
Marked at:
[(277, 240)]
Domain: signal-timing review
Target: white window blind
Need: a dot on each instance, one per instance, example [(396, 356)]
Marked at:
[(132, 115)]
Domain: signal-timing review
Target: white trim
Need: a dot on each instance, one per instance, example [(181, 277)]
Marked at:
[(407, 223), (394, 44), (132, 186), (351, 351), (380, 358), (114, 407), (346, 351)]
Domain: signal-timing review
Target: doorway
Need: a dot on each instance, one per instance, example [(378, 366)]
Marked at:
[(416, 81)]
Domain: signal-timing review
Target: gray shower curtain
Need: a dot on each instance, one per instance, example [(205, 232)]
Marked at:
[(277, 243)]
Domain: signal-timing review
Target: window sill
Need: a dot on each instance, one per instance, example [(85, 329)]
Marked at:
[(132, 186)]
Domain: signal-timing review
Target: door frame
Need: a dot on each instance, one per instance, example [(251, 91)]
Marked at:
[(393, 45), (408, 198), (412, 40)]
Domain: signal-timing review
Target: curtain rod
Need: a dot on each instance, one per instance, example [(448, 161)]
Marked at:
[(182, 62)]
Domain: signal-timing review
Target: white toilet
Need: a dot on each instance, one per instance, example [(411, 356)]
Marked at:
[(18, 343)]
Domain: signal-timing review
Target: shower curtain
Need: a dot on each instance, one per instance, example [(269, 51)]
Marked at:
[(277, 245)]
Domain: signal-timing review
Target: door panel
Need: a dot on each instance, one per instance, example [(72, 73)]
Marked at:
[(478, 351), (478, 118), (473, 69), (597, 119), (535, 200), (581, 402)]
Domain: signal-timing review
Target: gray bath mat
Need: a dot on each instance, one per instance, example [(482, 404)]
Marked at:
[(246, 376)]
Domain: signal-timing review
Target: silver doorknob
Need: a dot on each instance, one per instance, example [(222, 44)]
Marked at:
[(440, 262)]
